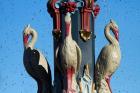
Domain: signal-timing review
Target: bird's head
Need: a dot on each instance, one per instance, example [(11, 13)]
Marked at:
[(114, 28), (68, 17), (68, 23), (26, 34)]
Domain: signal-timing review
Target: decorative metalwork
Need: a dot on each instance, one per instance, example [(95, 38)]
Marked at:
[(55, 14), (35, 63), (108, 60), (88, 10), (75, 70)]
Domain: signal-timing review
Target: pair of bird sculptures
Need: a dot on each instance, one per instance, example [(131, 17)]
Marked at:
[(37, 65)]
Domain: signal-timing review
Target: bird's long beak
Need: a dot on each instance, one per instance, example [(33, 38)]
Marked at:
[(25, 39), (116, 33), (67, 28)]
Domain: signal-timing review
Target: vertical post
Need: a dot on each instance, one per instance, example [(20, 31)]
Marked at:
[(82, 33)]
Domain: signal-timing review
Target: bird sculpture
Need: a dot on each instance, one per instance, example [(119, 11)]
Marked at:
[(35, 63), (108, 60), (71, 57)]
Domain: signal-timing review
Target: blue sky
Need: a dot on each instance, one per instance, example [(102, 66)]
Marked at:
[(16, 14)]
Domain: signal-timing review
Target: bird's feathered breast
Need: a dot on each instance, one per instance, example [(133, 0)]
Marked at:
[(31, 63), (110, 52), (31, 56), (69, 53), (109, 58)]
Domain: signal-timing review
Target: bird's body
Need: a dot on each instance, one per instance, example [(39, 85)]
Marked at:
[(35, 63), (70, 54), (108, 59), (33, 59)]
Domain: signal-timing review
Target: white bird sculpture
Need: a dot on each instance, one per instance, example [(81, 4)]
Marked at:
[(108, 59), (71, 57), (35, 63)]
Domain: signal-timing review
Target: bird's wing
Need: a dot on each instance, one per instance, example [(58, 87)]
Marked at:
[(40, 75), (31, 57), (79, 56), (101, 61), (98, 73), (99, 68), (43, 62)]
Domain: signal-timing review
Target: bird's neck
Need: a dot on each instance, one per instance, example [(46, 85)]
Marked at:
[(109, 37), (33, 39), (68, 29)]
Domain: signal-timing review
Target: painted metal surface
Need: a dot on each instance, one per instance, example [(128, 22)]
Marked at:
[(74, 51), (55, 14), (108, 60), (74, 7), (35, 63)]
